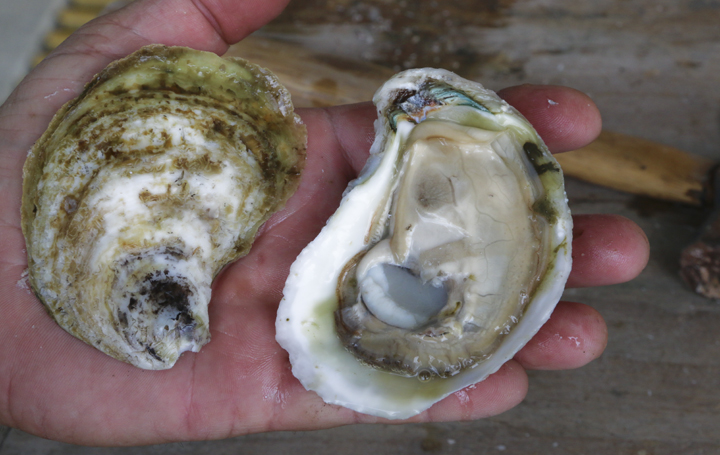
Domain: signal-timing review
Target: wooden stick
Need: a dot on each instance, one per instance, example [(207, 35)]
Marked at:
[(639, 166)]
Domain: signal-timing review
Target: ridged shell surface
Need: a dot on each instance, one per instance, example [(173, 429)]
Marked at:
[(142, 188)]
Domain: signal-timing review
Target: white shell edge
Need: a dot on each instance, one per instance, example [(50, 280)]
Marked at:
[(305, 322)]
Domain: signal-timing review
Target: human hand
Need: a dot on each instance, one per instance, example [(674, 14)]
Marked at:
[(55, 386)]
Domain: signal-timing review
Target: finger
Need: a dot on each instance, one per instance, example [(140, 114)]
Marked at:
[(355, 130), (201, 24), (573, 121), (574, 335), (565, 118), (607, 249), (262, 273), (500, 392)]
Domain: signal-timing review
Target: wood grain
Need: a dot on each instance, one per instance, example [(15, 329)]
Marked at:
[(315, 79), (643, 167), (615, 160)]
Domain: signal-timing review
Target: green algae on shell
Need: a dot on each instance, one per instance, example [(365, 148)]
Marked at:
[(145, 186), (446, 255)]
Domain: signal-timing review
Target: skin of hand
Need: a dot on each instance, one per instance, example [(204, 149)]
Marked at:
[(57, 387)]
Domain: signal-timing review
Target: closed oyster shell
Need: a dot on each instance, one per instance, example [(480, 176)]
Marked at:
[(445, 257), (142, 188)]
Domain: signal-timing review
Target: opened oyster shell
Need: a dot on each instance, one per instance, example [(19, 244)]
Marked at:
[(445, 256), (145, 186)]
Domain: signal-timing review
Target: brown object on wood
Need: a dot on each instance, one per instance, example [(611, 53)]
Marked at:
[(700, 268), (700, 261)]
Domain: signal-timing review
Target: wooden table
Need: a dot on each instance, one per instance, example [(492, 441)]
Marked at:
[(653, 68)]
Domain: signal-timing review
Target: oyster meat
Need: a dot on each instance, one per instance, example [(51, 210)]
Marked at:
[(145, 186), (446, 255)]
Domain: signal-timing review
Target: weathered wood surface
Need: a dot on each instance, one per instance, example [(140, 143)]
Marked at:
[(619, 161), (653, 67)]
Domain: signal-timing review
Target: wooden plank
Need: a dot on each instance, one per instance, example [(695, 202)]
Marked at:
[(615, 160)]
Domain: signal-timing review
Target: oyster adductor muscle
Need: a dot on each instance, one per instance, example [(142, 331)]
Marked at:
[(446, 255), (145, 186)]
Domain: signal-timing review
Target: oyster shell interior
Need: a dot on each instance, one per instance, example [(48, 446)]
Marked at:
[(145, 186), (444, 258)]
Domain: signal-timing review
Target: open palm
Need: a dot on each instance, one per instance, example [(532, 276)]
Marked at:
[(53, 385)]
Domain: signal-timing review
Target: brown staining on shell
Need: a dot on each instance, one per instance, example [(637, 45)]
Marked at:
[(202, 163), (172, 158)]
